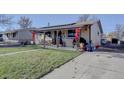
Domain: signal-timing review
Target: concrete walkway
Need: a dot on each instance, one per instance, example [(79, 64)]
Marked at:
[(91, 65)]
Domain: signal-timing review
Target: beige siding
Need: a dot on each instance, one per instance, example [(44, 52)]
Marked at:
[(85, 34), (38, 38), (95, 37)]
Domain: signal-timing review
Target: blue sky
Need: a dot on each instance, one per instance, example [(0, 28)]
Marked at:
[(39, 20)]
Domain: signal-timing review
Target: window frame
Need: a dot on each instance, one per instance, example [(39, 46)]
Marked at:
[(71, 36)]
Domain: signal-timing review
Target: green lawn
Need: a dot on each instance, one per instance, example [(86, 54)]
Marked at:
[(33, 64)]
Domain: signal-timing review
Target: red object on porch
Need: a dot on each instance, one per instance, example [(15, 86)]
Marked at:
[(97, 46), (33, 36), (77, 30)]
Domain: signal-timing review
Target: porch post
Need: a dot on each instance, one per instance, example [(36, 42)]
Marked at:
[(57, 41), (44, 40), (89, 29)]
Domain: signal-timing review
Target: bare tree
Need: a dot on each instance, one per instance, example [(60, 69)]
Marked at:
[(83, 18), (87, 17), (25, 22), (5, 20), (119, 29), (94, 18)]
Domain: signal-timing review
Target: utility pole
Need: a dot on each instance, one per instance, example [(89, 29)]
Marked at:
[(48, 24)]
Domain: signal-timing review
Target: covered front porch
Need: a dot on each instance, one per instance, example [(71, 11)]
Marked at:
[(61, 36)]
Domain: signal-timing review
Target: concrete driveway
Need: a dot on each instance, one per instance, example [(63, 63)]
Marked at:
[(91, 65)]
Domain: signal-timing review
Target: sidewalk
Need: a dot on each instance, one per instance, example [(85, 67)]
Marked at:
[(91, 65)]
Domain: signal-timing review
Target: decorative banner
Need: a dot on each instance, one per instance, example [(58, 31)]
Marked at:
[(77, 30), (33, 36)]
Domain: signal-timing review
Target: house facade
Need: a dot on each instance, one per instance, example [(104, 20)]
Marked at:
[(89, 31)]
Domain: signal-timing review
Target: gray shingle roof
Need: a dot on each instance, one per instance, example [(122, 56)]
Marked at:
[(65, 26)]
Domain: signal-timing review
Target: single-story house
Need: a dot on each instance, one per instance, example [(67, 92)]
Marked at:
[(89, 31), (18, 35)]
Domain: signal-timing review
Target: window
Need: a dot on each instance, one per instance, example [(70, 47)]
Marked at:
[(48, 34), (71, 33)]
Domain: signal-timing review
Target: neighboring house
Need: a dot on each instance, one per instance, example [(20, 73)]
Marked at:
[(115, 37), (89, 31), (19, 35)]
